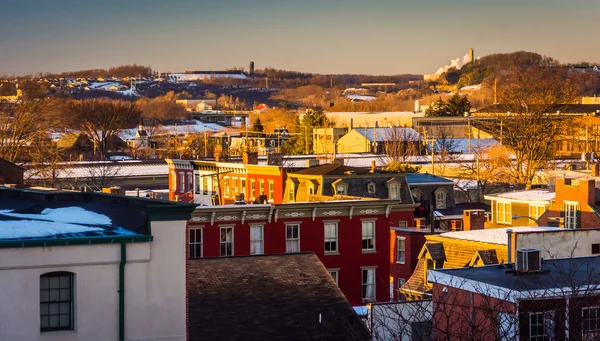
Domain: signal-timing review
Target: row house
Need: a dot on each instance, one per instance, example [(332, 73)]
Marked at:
[(576, 205), (211, 183), (533, 300), (352, 238), (518, 208)]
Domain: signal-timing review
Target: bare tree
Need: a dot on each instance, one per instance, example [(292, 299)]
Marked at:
[(402, 144)]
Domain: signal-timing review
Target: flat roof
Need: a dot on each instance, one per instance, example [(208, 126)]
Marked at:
[(566, 274), (527, 195), (494, 235)]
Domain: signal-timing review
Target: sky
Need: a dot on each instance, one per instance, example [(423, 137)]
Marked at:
[(382, 37)]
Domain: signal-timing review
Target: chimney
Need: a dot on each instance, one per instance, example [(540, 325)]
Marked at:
[(376, 124), (250, 158), (373, 166), (582, 191), (351, 123), (274, 159), (471, 55), (473, 220), (595, 169), (417, 106)]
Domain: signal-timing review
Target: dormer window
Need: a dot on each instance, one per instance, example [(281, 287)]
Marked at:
[(371, 188), (394, 190), (341, 189), (417, 195), (440, 199)]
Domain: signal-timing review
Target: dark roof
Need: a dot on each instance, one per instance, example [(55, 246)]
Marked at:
[(460, 208), (436, 250), (555, 274), (488, 257), (331, 169), (563, 108), (268, 297), (11, 163)]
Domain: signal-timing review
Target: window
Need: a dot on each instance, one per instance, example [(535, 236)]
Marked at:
[(292, 238), (311, 189), (368, 284), (591, 323), (417, 195), (234, 186), (226, 187), (252, 188), (341, 189), (541, 326), (204, 185), (331, 237), (503, 213), (536, 211), (571, 213), (56, 301), (195, 242), (256, 240), (368, 235), (244, 187), (334, 275), (401, 249), (440, 199), (595, 249), (371, 188), (262, 187), (401, 282), (394, 190), (403, 223), (182, 182), (271, 190), (226, 241), (291, 193), (190, 185)]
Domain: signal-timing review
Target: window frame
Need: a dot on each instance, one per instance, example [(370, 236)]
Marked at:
[(195, 230), (271, 190), (398, 259), (289, 240), (182, 180), (70, 301), (337, 275), (594, 333), (546, 334), (260, 241), (366, 237), (190, 185), (443, 200), (225, 242), (334, 239), (372, 188), (366, 284), (394, 190), (534, 211), (403, 223), (505, 214), (343, 187), (571, 214), (252, 188), (261, 187)]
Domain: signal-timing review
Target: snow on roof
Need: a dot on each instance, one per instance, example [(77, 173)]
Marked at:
[(361, 97), (527, 195), (52, 222), (471, 87), (494, 236), (387, 134), (104, 169)]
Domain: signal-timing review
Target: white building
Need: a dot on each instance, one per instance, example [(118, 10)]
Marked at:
[(85, 266)]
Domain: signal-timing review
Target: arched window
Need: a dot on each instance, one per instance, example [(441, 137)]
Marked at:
[(394, 190), (56, 301), (440, 199)]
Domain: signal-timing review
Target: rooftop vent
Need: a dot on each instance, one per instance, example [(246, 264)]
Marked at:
[(528, 260)]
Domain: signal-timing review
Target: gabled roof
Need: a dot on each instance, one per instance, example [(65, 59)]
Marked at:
[(487, 257), (12, 163), (436, 251), (268, 297)]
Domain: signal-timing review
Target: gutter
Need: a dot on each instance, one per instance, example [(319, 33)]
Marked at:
[(122, 291)]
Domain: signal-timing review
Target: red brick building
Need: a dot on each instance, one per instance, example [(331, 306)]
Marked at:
[(576, 205), (406, 244), (351, 238)]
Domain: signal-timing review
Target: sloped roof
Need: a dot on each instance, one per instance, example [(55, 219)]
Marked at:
[(68, 140), (488, 257), (268, 297), (331, 169), (436, 251), (416, 282), (420, 178), (387, 134)]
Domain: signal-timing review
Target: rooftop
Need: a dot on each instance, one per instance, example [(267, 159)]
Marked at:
[(425, 178), (527, 195), (331, 169), (501, 280), (268, 297), (389, 134), (494, 236)]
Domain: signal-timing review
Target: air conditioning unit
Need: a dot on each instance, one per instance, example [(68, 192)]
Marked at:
[(528, 260)]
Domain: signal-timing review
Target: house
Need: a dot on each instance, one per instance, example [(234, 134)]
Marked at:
[(541, 299), (10, 173), (435, 191), (336, 181), (380, 141), (575, 205), (78, 146), (519, 208), (351, 237), (88, 266), (466, 248), (219, 183), (325, 139), (261, 108), (268, 297)]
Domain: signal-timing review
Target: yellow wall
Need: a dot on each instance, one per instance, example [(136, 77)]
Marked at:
[(517, 208)]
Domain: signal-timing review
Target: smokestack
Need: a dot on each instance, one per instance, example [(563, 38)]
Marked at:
[(417, 106), (251, 68), (471, 55)]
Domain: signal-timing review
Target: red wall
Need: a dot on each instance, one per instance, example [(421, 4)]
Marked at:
[(350, 258), (277, 183), (182, 188), (413, 244)]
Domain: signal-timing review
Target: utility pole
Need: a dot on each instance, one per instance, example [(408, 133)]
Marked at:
[(306, 140), (495, 97)]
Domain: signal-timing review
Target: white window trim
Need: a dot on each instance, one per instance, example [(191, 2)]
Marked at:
[(232, 240), (537, 208), (403, 223), (398, 239), (374, 284), (337, 274), (337, 238), (571, 220), (374, 249), (287, 239), (196, 229), (182, 180), (373, 186), (262, 241), (504, 214), (544, 313), (445, 200), (396, 193), (271, 189)]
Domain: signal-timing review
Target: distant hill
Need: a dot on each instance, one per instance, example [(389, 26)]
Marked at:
[(118, 71)]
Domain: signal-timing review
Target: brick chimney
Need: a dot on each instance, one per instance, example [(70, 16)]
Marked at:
[(473, 220), (250, 158)]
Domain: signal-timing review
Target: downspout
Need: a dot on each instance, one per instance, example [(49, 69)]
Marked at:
[(509, 233), (122, 291)]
